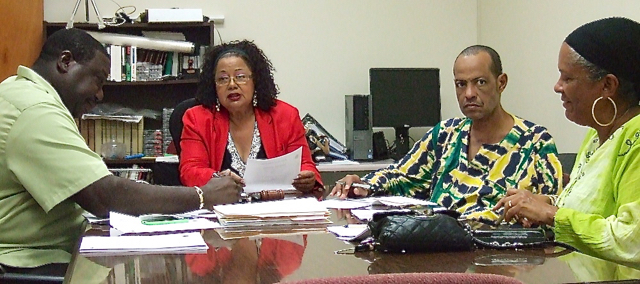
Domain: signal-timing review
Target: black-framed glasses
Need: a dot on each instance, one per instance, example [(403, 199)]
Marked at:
[(240, 79)]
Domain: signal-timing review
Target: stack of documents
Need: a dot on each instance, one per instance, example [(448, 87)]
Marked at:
[(273, 216), (156, 244)]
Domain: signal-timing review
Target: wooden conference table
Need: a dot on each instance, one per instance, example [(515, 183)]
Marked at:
[(286, 258)]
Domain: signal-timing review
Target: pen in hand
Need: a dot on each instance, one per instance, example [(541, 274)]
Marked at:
[(360, 185), (499, 221)]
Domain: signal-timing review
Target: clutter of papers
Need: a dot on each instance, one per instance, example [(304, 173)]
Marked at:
[(391, 201)]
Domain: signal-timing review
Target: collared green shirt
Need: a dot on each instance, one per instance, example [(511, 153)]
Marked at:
[(438, 168), (43, 161), (599, 211)]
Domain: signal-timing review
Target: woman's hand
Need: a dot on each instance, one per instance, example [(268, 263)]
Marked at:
[(228, 173), (527, 208), (343, 188), (305, 182)]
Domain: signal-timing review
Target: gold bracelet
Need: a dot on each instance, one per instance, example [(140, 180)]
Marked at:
[(201, 196), (553, 199)]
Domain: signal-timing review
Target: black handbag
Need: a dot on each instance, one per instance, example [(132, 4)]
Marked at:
[(419, 233), (440, 232)]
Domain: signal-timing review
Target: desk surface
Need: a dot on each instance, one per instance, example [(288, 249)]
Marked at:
[(295, 257)]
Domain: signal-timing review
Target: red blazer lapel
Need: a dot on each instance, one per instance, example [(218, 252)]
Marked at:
[(221, 130), (268, 134)]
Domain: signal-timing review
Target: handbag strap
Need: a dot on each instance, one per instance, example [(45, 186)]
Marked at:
[(515, 245)]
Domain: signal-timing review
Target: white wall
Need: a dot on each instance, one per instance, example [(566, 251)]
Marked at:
[(528, 35), (322, 50)]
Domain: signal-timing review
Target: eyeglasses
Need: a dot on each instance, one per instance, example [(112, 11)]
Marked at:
[(240, 79)]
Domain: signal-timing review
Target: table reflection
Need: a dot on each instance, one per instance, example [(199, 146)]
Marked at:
[(263, 260), (273, 258), (586, 268)]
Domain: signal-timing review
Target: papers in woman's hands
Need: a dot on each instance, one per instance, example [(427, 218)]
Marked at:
[(276, 173), (124, 245)]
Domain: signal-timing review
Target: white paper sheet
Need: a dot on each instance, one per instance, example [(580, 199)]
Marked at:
[(276, 173), (350, 232), (345, 203), (367, 214), (279, 208), (399, 201), (125, 245), (132, 224)]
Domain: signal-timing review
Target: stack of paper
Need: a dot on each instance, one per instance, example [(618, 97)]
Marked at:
[(155, 244), (276, 216)]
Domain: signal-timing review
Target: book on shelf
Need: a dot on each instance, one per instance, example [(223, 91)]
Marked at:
[(98, 130), (131, 64)]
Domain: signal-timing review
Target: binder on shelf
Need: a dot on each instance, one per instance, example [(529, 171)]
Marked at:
[(116, 57), (338, 149)]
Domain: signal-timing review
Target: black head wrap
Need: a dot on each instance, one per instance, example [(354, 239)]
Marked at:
[(612, 44)]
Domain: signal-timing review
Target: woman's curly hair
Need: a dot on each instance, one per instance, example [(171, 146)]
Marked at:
[(262, 73)]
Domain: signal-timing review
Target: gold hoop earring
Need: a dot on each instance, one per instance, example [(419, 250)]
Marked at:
[(593, 113)]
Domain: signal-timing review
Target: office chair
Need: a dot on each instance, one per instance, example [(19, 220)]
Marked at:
[(168, 173), (175, 121), (566, 160), (415, 278)]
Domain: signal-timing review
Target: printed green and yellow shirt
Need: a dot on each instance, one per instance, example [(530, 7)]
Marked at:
[(438, 169)]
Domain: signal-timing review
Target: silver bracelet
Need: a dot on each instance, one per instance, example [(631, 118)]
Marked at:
[(201, 196)]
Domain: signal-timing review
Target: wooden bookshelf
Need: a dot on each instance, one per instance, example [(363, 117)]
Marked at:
[(153, 95)]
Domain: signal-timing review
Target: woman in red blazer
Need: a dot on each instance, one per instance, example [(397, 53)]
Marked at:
[(240, 118)]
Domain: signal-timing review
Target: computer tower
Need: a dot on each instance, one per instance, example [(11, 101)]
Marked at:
[(358, 127)]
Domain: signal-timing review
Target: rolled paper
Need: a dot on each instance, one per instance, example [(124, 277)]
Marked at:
[(144, 42)]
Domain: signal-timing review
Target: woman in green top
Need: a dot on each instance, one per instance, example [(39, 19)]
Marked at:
[(599, 210)]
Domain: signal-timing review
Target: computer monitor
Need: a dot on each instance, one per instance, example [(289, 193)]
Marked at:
[(403, 98)]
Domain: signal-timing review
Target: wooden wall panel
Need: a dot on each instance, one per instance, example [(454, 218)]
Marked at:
[(21, 34)]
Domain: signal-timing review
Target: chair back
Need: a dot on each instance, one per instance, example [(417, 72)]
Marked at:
[(175, 121)]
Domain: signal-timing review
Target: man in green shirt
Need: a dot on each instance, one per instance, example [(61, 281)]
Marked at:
[(48, 175)]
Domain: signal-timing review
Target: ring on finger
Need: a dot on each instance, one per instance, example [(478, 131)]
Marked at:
[(510, 203), (341, 183)]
